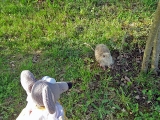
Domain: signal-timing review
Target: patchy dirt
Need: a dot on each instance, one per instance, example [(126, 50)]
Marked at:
[(127, 62), (127, 67)]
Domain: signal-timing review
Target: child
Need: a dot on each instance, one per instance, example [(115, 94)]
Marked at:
[(42, 98)]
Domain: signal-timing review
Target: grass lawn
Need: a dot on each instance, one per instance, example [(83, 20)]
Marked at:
[(48, 38)]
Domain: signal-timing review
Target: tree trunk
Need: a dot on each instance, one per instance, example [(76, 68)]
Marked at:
[(151, 38), (156, 52)]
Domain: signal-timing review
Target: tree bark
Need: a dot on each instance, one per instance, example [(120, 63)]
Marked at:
[(151, 38), (156, 53)]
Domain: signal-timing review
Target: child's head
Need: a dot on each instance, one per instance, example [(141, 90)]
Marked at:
[(45, 92)]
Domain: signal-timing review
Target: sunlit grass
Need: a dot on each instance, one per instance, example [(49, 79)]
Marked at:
[(48, 39)]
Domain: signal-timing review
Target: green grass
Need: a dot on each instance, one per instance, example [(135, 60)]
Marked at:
[(48, 39)]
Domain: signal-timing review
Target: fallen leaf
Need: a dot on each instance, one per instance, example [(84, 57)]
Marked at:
[(126, 78), (137, 97)]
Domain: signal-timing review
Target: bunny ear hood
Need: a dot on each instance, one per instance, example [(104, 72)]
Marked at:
[(46, 94), (48, 99), (27, 80), (64, 86), (51, 93)]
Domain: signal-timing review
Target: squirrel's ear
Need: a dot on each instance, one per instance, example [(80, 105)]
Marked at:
[(27, 80), (48, 99)]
